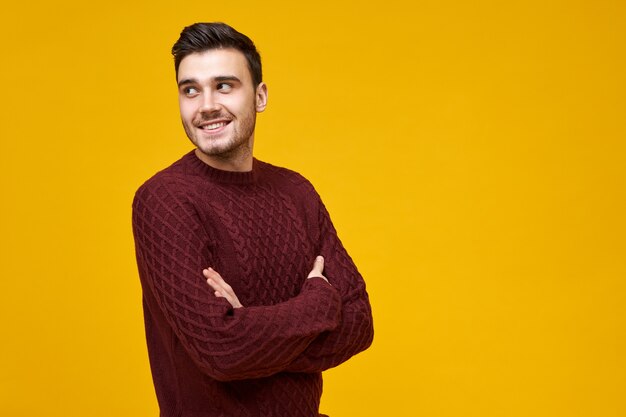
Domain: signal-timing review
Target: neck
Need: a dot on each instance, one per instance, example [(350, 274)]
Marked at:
[(239, 160)]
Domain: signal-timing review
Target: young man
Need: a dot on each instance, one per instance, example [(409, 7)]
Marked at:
[(248, 293)]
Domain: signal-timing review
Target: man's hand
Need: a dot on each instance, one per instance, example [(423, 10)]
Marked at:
[(318, 268), (221, 288)]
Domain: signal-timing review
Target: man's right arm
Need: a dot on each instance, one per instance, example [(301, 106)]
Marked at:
[(225, 343)]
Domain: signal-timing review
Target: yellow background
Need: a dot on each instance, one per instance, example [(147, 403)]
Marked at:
[(472, 155)]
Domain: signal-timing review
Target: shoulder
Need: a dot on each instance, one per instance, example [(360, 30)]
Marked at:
[(172, 182), (286, 178)]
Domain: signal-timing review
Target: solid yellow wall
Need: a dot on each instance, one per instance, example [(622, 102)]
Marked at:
[(472, 155)]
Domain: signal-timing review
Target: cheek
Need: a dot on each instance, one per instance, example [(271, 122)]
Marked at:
[(240, 104), (187, 109)]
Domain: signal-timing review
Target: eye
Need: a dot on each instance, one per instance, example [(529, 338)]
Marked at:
[(224, 87), (190, 91)]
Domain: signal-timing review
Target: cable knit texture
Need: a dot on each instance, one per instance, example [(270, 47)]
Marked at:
[(261, 230)]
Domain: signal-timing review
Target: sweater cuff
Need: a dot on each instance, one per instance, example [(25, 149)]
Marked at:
[(328, 295)]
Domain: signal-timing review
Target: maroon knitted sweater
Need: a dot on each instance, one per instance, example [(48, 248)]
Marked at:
[(261, 230)]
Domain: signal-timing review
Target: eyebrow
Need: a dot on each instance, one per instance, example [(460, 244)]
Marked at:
[(219, 79), (187, 81), (227, 78)]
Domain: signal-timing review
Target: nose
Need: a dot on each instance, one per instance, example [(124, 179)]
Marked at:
[(209, 103)]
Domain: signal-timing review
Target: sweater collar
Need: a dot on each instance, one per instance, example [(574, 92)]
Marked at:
[(217, 175)]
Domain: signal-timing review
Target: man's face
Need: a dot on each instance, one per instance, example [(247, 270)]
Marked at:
[(218, 102)]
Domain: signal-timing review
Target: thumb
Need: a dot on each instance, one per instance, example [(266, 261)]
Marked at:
[(318, 267)]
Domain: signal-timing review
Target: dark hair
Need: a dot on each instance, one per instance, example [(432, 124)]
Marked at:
[(201, 37)]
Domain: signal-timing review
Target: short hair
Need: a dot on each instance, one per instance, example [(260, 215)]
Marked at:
[(201, 37)]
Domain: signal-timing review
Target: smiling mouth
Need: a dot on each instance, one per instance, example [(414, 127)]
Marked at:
[(214, 126)]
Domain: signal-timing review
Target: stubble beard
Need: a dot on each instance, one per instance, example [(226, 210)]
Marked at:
[(237, 144)]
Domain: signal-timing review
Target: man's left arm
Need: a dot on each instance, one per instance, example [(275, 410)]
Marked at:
[(355, 331)]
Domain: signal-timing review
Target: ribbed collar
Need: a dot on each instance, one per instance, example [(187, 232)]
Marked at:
[(200, 167)]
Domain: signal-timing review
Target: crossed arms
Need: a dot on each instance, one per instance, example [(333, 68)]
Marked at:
[(222, 289), (325, 324)]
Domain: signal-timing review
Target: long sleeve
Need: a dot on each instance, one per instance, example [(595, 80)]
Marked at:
[(172, 248), (355, 331)]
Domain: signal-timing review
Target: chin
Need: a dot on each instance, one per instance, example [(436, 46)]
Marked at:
[(218, 149)]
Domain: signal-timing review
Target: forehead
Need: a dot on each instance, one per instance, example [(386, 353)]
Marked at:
[(214, 63)]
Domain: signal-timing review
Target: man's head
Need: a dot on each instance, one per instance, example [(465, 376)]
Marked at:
[(218, 72), (201, 37)]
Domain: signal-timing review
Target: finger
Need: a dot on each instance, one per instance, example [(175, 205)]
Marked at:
[(219, 291), (217, 282), (318, 265), (318, 268), (216, 287), (221, 288), (220, 281), (212, 273)]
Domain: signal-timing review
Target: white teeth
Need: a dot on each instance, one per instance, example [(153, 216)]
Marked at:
[(213, 126)]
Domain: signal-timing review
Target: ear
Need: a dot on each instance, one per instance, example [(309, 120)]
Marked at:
[(261, 97)]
